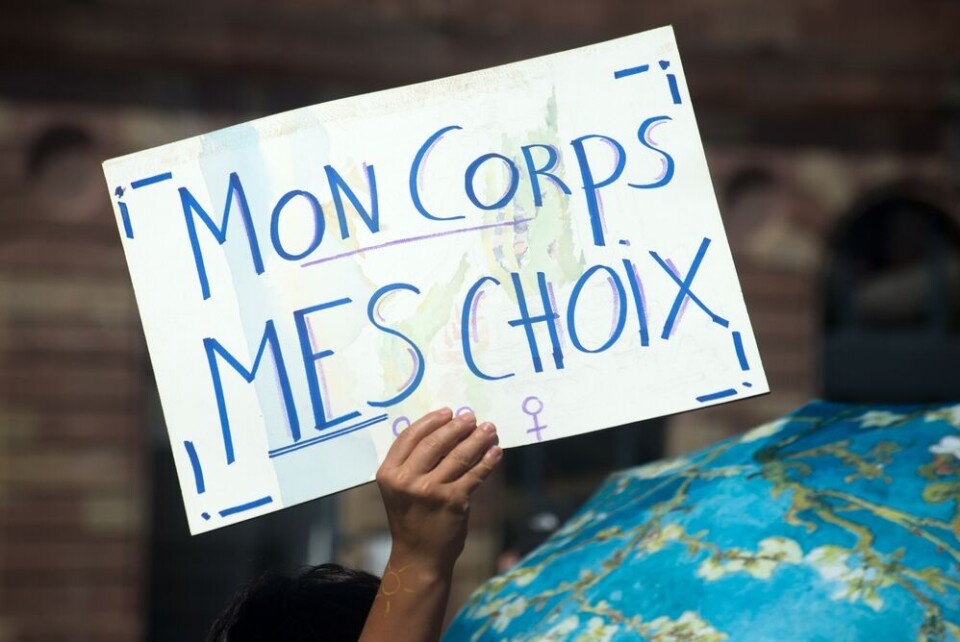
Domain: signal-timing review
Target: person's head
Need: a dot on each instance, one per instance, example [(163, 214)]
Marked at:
[(327, 603)]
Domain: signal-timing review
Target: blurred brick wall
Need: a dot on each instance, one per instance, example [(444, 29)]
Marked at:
[(71, 373), (830, 99), (779, 235), (74, 426)]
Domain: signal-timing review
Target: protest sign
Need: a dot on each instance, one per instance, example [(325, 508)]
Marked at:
[(538, 243)]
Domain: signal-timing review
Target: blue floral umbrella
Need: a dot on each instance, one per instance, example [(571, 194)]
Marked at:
[(836, 523)]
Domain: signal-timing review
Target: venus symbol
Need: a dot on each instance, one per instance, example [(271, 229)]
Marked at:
[(399, 424), (533, 407)]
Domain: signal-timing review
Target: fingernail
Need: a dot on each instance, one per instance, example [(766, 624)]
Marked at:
[(445, 411), (495, 453), (488, 427), (468, 417)]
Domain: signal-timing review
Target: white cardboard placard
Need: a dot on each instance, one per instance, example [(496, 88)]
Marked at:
[(538, 242)]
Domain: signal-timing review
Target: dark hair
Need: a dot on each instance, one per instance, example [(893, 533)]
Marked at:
[(325, 603)]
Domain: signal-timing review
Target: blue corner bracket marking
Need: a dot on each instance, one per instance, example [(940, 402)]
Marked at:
[(729, 392), (151, 180), (195, 463), (741, 355), (631, 71), (257, 503)]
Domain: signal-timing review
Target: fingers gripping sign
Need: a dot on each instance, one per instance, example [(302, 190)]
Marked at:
[(465, 456), (426, 481), (437, 445)]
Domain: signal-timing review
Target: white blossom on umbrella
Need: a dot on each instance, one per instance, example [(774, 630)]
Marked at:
[(949, 414), (659, 468), (597, 631), (688, 626), (772, 552), (858, 582), (765, 430), (878, 419), (561, 632), (509, 611), (949, 445)]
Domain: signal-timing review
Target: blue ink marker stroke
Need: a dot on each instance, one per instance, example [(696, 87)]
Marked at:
[(631, 71), (741, 355), (195, 463), (729, 392), (150, 180), (327, 436), (257, 503), (685, 290)]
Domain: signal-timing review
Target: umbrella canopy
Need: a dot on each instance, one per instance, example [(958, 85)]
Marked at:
[(836, 523)]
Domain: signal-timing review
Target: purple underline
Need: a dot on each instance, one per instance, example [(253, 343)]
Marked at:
[(416, 238)]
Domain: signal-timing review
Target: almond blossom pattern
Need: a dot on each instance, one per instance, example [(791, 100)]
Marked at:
[(837, 522)]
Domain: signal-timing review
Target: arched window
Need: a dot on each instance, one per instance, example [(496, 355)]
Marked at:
[(63, 170), (892, 303)]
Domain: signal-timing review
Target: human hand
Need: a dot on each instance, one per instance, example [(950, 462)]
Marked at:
[(426, 481)]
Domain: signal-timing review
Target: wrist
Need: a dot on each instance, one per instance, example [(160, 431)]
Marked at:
[(419, 566)]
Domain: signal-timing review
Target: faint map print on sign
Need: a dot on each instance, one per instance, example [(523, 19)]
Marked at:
[(538, 243)]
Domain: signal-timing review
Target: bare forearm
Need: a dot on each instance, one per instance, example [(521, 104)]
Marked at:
[(426, 480), (411, 602)]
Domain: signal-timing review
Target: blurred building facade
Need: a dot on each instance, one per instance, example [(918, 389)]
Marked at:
[(815, 115)]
